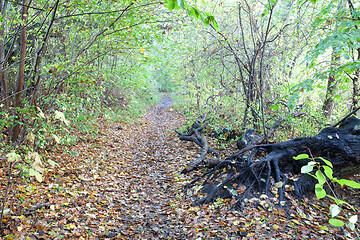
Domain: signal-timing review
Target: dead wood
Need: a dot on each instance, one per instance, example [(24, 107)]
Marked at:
[(256, 169)]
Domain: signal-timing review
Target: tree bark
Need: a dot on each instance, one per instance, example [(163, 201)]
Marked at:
[(21, 74), (329, 103), (4, 86), (355, 81)]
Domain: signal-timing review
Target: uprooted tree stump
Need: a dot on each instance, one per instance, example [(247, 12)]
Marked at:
[(258, 169)]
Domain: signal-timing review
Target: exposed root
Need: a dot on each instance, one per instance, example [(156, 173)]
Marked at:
[(270, 168)]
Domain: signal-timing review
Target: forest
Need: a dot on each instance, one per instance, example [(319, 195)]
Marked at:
[(179, 119)]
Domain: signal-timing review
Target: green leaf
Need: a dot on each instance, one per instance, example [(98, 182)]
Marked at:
[(306, 169), (340, 202), (301, 156), (349, 183), (276, 107), (195, 13), (327, 162), (320, 177), (319, 191), (206, 22), (328, 172), (334, 210), (215, 24), (177, 7), (171, 4), (336, 222), (325, 228)]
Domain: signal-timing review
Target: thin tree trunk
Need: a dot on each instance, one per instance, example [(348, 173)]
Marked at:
[(328, 105), (35, 84), (20, 81), (355, 80), (4, 86)]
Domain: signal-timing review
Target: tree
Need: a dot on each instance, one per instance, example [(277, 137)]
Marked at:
[(21, 74)]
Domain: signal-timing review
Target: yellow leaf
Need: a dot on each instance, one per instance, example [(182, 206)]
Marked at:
[(194, 209), (295, 221), (13, 156), (36, 174), (37, 163), (275, 227), (70, 226), (61, 117), (30, 137), (142, 50)]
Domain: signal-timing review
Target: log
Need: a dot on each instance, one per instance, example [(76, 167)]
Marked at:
[(260, 167)]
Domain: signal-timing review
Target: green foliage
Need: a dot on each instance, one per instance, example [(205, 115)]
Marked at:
[(324, 175), (194, 12)]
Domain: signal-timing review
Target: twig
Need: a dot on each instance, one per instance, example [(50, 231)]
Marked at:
[(346, 117), (37, 207)]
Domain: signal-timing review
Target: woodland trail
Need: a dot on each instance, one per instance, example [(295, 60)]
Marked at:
[(135, 181), (124, 183)]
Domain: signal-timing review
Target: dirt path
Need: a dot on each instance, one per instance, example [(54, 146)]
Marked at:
[(147, 176), (124, 183)]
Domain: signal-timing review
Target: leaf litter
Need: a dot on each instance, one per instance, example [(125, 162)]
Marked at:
[(125, 183)]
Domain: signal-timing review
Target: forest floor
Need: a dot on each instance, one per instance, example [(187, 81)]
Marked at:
[(125, 183)]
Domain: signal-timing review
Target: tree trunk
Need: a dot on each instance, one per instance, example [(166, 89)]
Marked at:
[(4, 86), (329, 103), (355, 81), (21, 74)]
